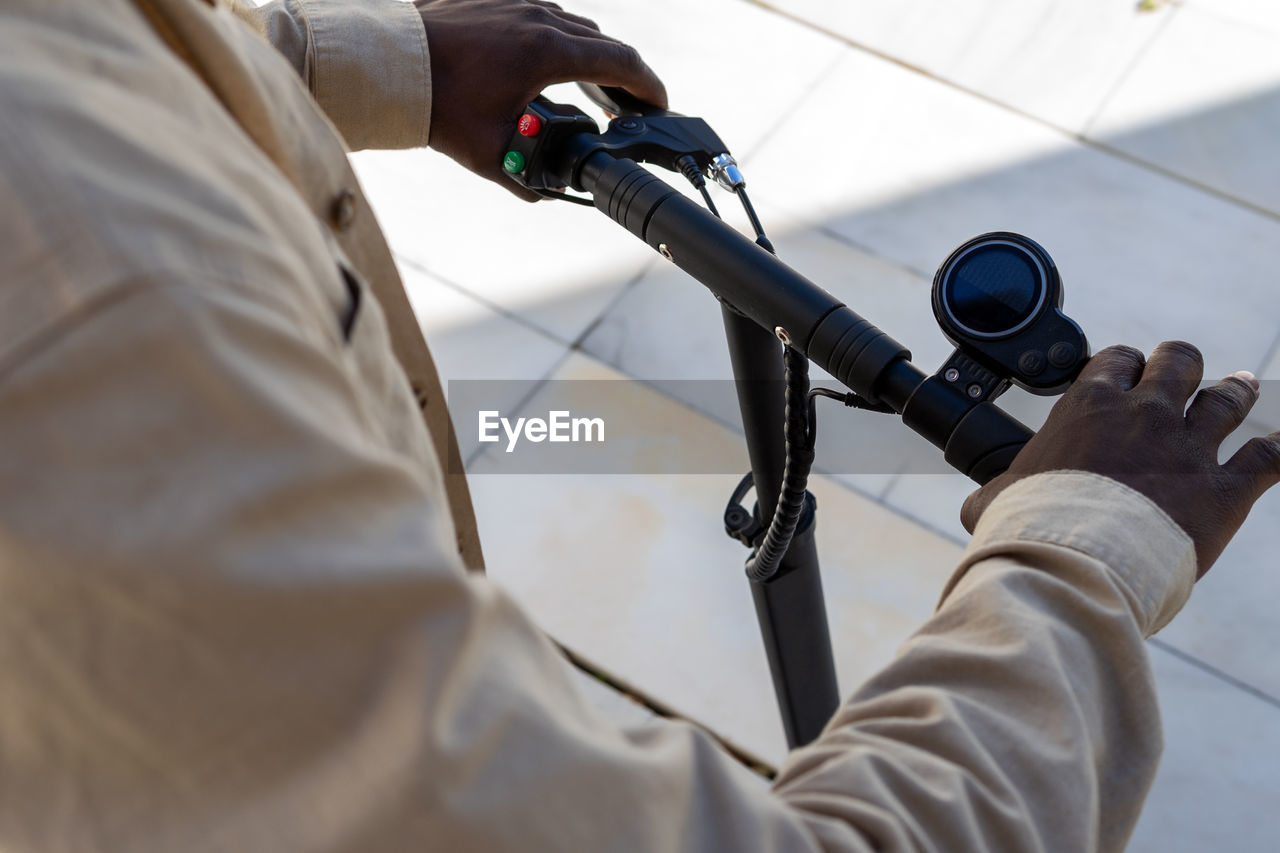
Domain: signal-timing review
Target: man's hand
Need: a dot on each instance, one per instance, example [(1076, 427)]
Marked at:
[(1128, 419), (489, 58)]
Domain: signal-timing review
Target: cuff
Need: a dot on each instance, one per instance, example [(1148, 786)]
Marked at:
[(1149, 554), (370, 71)]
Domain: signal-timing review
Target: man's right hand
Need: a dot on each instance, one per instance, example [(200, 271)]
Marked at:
[(1128, 419), (490, 58)]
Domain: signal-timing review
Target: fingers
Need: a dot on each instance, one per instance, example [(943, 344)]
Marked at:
[(1258, 462), (581, 31), (606, 62), (1117, 366), (593, 57), (567, 16), (1218, 410), (1174, 371)]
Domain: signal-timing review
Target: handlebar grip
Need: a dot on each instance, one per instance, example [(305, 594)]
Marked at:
[(855, 352), (985, 442)]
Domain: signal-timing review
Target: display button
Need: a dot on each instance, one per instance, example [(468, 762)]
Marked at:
[(1063, 355), (1031, 363), (513, 162), (529, 125)]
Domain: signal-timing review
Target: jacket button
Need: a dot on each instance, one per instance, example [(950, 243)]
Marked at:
[(343, 210)]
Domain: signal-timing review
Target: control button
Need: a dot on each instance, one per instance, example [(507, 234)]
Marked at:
[(1063, 354), (1032, 362), (513, 162), (529, 125), (342, 210)]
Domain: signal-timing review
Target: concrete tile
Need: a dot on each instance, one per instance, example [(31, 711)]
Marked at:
[(1266, 411), (1258, 14), (469, 340), (1230, 621), (929, 167), (1265, 417), (739, 66), (636, 573), (1204, 103), (933, 500), (1055, 61), (1217, 785), (1272, 370), (556, 266)]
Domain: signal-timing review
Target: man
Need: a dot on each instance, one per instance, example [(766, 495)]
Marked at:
[(233, 610)]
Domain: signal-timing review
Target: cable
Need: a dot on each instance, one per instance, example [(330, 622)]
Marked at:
[(688, 167), (564, 197), (850, 399), (751, 210), (763, 564), (711, 205)]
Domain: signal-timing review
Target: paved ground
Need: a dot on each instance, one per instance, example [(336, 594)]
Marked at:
[(1138, 147)]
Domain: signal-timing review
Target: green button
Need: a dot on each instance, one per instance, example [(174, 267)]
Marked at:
[(513, 162)]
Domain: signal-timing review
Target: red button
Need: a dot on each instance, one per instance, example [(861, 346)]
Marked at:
[(529, 125)]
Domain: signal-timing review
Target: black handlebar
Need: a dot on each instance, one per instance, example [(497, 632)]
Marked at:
[(556, 146), (980, 441)]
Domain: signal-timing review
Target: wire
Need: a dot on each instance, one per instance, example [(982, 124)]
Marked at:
[(751, 211), (688, 166), (565, 197), (711, 205), (850, 399), (761, 240)]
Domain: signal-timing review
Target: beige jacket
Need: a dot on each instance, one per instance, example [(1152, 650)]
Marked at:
[(232, 612)]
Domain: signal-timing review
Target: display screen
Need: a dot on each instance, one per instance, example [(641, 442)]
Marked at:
[(993, 289)]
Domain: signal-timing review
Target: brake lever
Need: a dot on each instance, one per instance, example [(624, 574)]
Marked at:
[(617, 101)]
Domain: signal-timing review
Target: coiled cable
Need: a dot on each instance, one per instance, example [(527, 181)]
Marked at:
[(763, 564)]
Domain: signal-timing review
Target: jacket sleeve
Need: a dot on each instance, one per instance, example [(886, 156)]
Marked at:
[(1023, 715), (231, 621), (366, 63)]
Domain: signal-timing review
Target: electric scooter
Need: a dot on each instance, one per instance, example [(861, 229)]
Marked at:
[(997, 298)]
